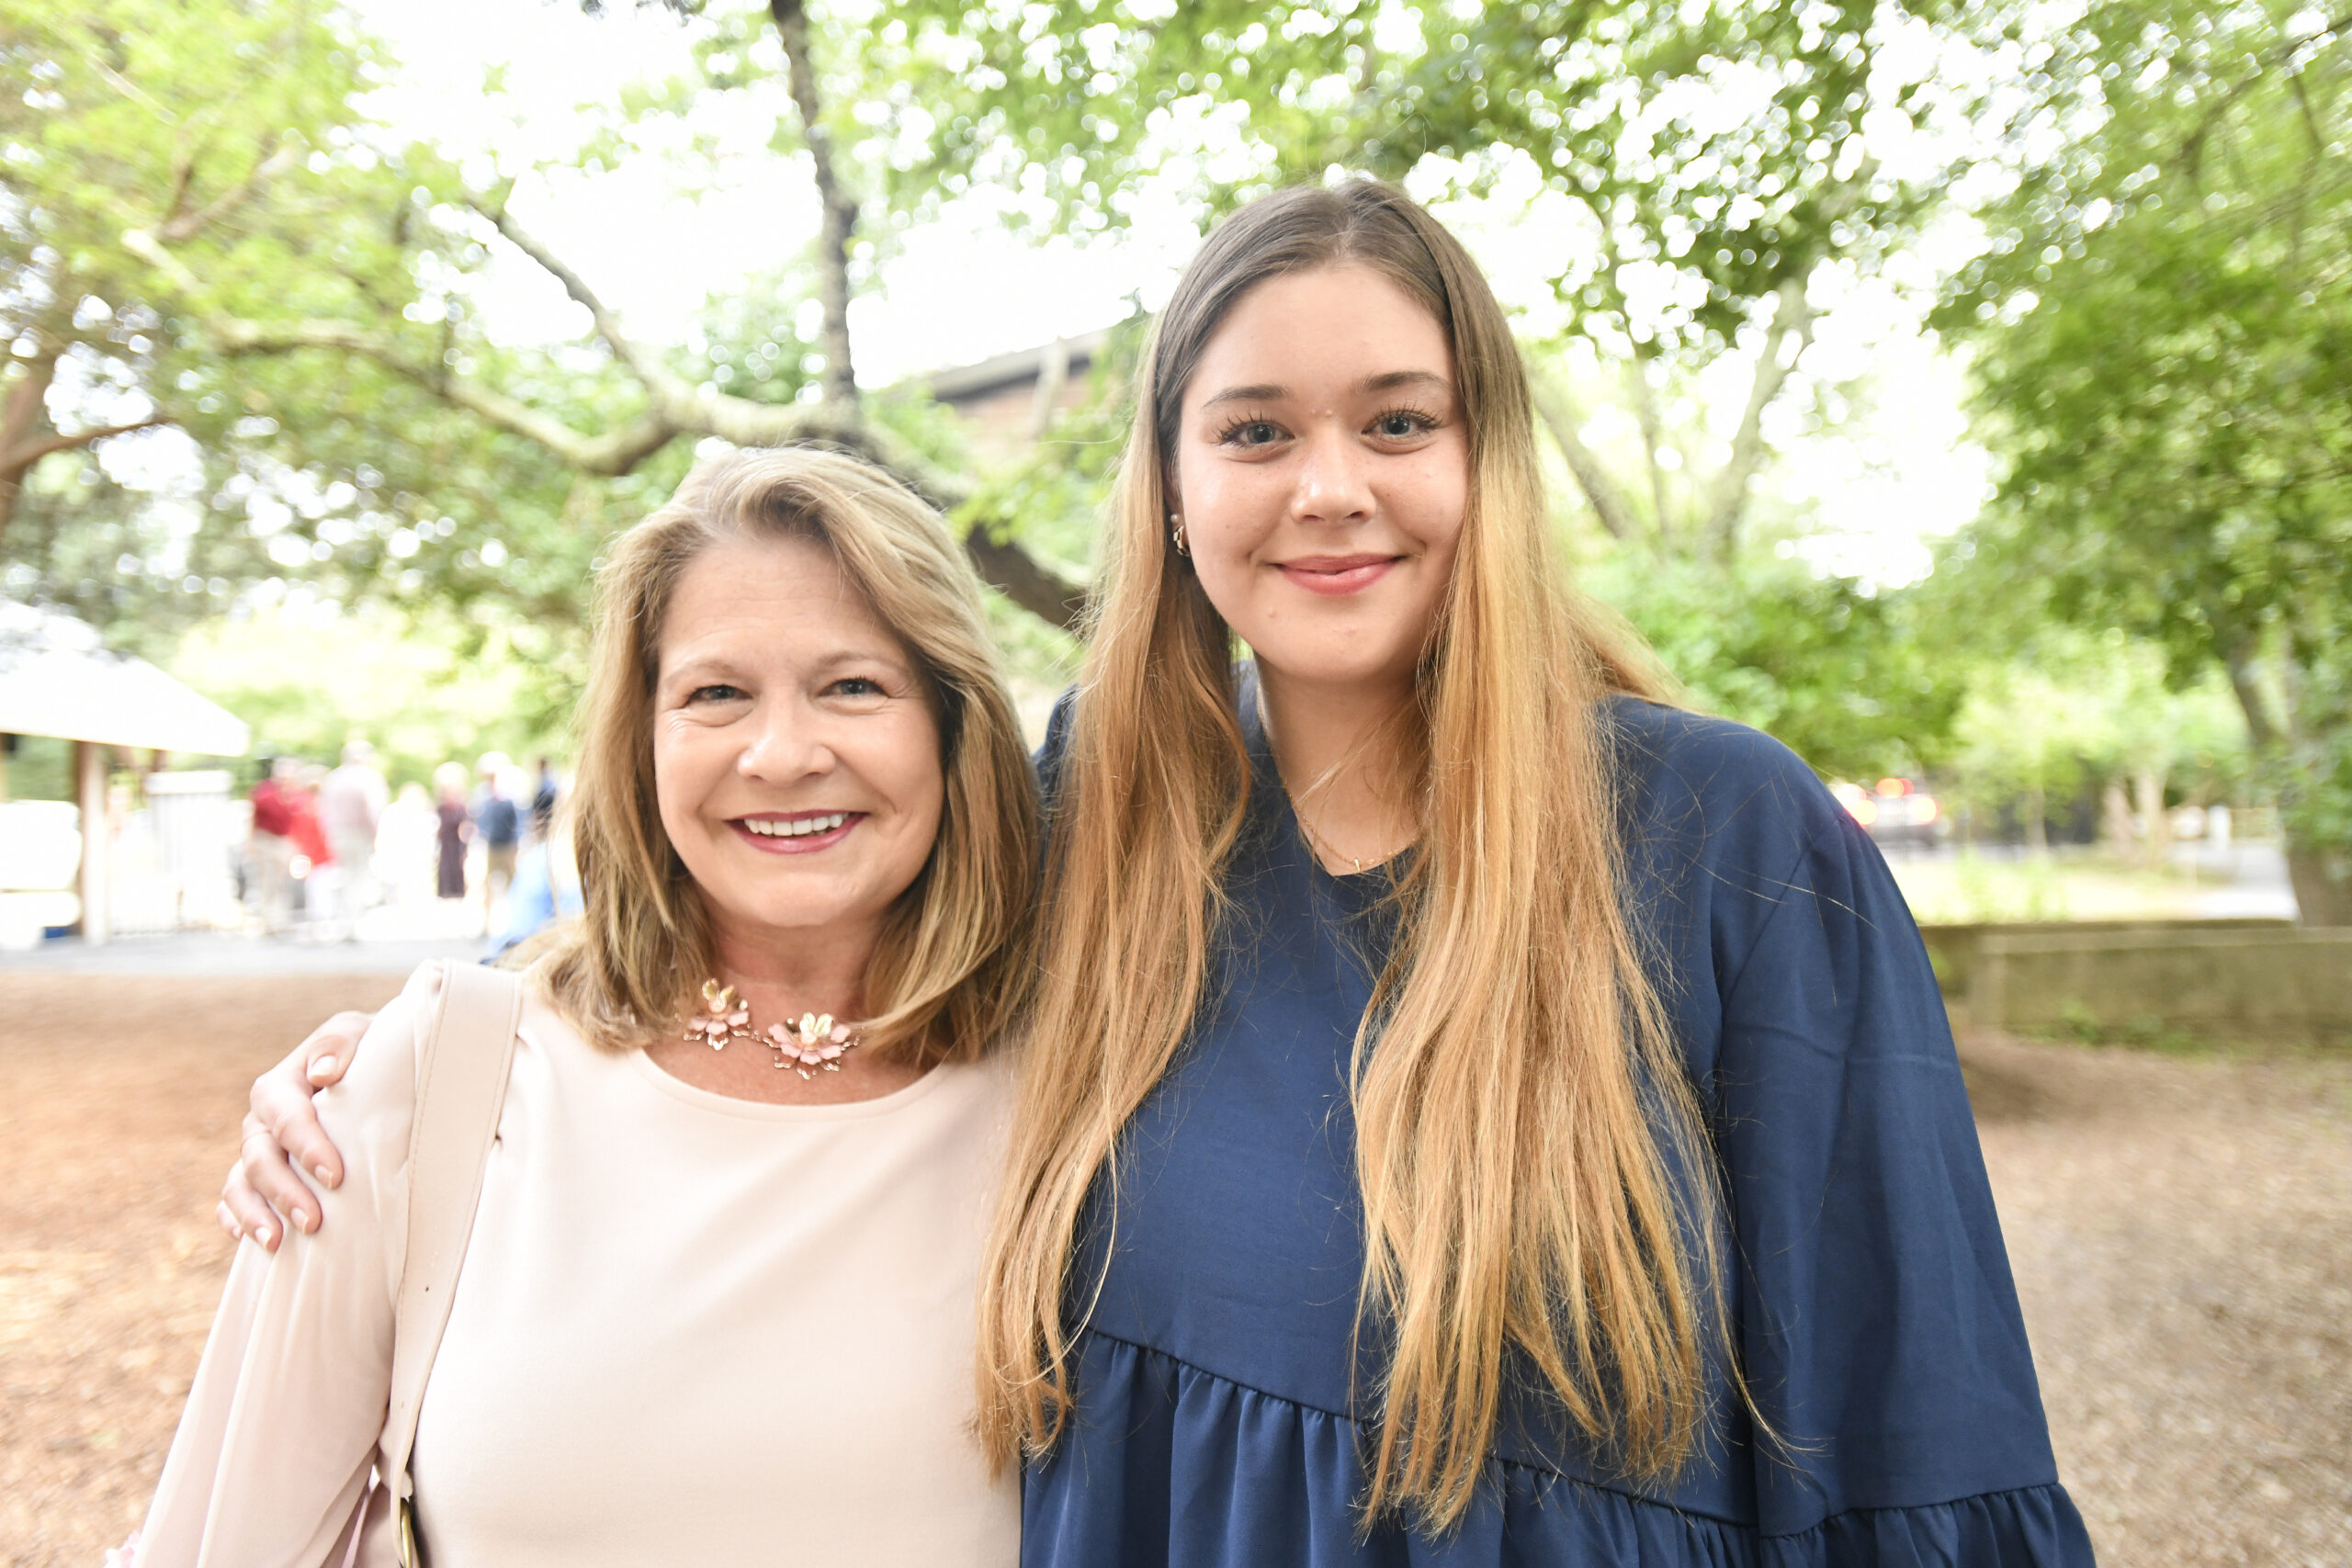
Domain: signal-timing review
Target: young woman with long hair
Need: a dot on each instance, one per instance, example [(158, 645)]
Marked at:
[(1472, 1112)]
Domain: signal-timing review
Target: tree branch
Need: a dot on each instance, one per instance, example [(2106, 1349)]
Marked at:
[(840, 212), (26, 406), (657, 377), (16, 460), (1792, 319), (691, 411), (1560, 416), (183, 225), (1645, 414), (1015, 572), (614, 453), (26, 410), (2192, 147)]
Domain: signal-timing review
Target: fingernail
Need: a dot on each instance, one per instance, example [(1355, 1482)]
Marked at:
[(303, 1222), (323, 1067), (320, 1171), (263, 1236)]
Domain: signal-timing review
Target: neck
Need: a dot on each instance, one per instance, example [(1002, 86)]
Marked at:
[(1337, 750), (793, 972)]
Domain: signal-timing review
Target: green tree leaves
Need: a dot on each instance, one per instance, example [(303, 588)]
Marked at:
[(2164, 327)]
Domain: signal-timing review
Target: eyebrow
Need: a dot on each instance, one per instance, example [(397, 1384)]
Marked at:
[(1387, 381)]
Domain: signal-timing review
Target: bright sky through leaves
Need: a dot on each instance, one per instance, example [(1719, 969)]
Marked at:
[(962, 289)]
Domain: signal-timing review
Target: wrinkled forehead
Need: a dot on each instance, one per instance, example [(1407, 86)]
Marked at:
[(779, 589)]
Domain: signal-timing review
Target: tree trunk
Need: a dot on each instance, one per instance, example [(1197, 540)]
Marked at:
[(2156, 828), (839, 209), (1785, 341), (1561, 416), (2323, 883), (23, 419), (2116, 809)]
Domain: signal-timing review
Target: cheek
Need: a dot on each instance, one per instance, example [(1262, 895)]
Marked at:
[(926, 786), (681, 781), (901, 763)]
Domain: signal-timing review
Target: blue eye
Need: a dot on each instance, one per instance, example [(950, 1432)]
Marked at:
[(857, 686), (716, 693)]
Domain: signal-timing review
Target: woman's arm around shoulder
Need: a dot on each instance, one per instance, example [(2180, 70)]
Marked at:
[(273, 1452)]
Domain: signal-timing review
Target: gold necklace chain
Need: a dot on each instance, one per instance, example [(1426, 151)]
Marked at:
[(815, 1042), (1322, 846)]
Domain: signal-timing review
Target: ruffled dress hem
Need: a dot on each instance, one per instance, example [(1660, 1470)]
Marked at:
[(1215, 1473)]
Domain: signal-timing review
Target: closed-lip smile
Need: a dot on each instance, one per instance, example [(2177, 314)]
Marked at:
[(795, 832), (1336, 575)]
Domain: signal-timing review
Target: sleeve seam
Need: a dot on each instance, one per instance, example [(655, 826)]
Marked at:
[(1788, 885)]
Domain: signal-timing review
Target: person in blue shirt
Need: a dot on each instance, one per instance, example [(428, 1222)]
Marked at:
[(546, 889), (1474, 1113)]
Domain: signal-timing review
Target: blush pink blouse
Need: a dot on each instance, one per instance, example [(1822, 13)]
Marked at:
[(690, 1329)]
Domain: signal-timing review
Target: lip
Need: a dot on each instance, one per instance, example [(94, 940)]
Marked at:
[(1334, 576), (809, 844)]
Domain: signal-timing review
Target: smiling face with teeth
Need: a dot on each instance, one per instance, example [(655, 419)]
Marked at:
[(797, 756)]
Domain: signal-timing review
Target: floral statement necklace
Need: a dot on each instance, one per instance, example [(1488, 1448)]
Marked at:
[(816, 1042)]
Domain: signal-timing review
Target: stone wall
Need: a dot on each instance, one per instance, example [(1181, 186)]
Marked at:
[(2283, 982), (1952, 948)]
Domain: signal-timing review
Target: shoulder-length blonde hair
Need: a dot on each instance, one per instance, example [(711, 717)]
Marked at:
[(953, 963), (1516, 1091)]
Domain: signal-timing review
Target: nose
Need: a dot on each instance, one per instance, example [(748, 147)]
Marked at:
[(1334, 479), (786, 743)]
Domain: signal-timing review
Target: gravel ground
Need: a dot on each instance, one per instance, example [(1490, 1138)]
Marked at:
[(120, 1099), (2181, 1231)]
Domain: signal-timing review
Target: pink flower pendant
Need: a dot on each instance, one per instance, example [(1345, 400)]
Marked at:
[(726, 1019), (815, 1041)]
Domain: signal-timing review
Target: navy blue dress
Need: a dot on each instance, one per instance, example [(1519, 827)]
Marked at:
[(1870, 1298)]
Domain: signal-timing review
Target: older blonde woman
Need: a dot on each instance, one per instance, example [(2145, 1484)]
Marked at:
[(717, 1305)]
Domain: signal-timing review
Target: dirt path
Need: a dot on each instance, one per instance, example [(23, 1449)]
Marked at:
[(2181, 1232), (119, 1105)]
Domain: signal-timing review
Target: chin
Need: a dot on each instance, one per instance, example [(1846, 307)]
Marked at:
[(1326, 665), (807, 913)]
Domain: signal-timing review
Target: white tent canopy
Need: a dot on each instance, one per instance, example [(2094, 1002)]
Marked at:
[(57, 679)]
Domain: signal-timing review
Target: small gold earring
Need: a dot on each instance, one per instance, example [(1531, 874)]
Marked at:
[(1176, 535)]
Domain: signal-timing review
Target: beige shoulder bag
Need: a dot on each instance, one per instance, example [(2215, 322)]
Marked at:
[(462, 1062)]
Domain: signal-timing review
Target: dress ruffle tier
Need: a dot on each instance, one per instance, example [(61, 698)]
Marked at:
[(1211, 1474)]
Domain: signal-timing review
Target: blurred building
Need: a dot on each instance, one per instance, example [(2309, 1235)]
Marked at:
[(1009, 402), (57, 861)]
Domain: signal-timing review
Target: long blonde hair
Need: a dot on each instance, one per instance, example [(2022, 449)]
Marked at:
[(951, 965), (1518, 1099)]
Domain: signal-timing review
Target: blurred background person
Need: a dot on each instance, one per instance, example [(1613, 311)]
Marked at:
[(271, 846), (313, 855), (498, 823), (544, 791), (351, 807), (546, 889), (452, 829), (406, 848)]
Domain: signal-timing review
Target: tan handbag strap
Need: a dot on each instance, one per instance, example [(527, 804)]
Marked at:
[(463, 1059)]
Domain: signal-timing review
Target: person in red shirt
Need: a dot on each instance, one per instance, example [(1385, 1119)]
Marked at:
[(311, 853), (272, 846)]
